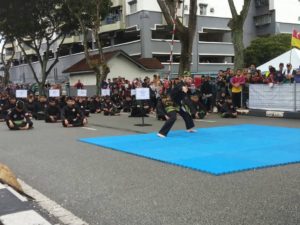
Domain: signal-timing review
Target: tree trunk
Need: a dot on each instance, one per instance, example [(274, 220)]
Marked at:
[(237, 38), (41, 88), (186, 41), (236, 25), (98, 83), (186, 33), (7, 64), (6, 77)]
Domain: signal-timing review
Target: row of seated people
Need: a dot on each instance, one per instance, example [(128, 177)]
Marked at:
[(74, 111), (19, 118)]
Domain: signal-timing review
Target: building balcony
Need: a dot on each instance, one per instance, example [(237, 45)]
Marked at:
[(30, 52), (8, 45), (116, 3), (72, 39), (225, 48), (114, 25)]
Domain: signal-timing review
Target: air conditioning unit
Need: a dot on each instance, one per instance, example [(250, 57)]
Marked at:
[(212, 10)]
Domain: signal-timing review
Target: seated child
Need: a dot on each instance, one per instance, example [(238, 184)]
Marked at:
[(18, 118), (52, 112), (72, 116)]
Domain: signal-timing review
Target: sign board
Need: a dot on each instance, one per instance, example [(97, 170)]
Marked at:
[(142, 93), (132, 91), (105, 92), (21, 93), (54, 93), (81, 92)]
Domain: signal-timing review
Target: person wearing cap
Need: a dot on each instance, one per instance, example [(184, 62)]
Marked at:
[(72, 116), (18, 118), (52, 112), (175, 103)]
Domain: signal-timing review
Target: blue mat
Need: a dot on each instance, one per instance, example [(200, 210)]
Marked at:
[(217, 150)]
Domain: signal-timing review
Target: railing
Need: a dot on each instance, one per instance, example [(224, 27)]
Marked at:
[(111, 19)]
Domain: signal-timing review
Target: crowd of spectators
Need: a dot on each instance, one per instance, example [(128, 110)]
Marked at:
[(224, 93)]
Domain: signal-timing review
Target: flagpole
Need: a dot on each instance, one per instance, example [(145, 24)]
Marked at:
[(291, 55), (291, 45)]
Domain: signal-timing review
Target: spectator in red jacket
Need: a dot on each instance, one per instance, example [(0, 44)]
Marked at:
[(78, 85)]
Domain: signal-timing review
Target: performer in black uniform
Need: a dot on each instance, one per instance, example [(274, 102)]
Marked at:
[(72, 116), (18, 118), (175, 104), (52, 112)]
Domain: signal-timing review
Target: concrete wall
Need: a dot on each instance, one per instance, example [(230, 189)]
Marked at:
[(119, 66)]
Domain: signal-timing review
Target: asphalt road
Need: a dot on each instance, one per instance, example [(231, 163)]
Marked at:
[(112, 188)]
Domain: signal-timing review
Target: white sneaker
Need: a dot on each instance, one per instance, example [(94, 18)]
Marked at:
[(160, 135), (191, 131)]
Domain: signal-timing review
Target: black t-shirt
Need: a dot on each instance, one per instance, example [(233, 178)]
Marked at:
[(16, 115), (71, 113), (53, 110), (177, 94)]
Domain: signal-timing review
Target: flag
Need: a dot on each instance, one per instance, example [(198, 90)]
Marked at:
[(296, 39)]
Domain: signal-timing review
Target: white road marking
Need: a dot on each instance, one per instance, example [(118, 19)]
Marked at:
[(2, 186), (20, 197), (89, 128), (65, 216), (206, 121), (29, 217)]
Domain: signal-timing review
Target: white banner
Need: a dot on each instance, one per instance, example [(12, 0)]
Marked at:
[(54, 93), (142, 93), (21, 93), (81, 92), (285, 97), (105, 92)]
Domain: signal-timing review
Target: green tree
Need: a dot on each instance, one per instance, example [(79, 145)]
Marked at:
[(89, 14), (186, 34), (263, 49), (236, 24), (37, 25)]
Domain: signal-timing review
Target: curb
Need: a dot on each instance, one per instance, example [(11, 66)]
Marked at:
[(269, 113)]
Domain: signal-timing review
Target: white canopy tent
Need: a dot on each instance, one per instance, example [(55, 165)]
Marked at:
[(292, 55)]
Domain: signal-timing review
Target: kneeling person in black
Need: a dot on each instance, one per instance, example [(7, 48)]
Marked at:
[(52, 112), (72, 116), (18, 118)]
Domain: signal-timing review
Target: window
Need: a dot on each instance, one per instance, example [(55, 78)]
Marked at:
[(214, 35), (203, 9), (113, 16), (127, 36), (163, 58), (261, 3), (215, 59), (263, 20), (164, 32), (132, 6)]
